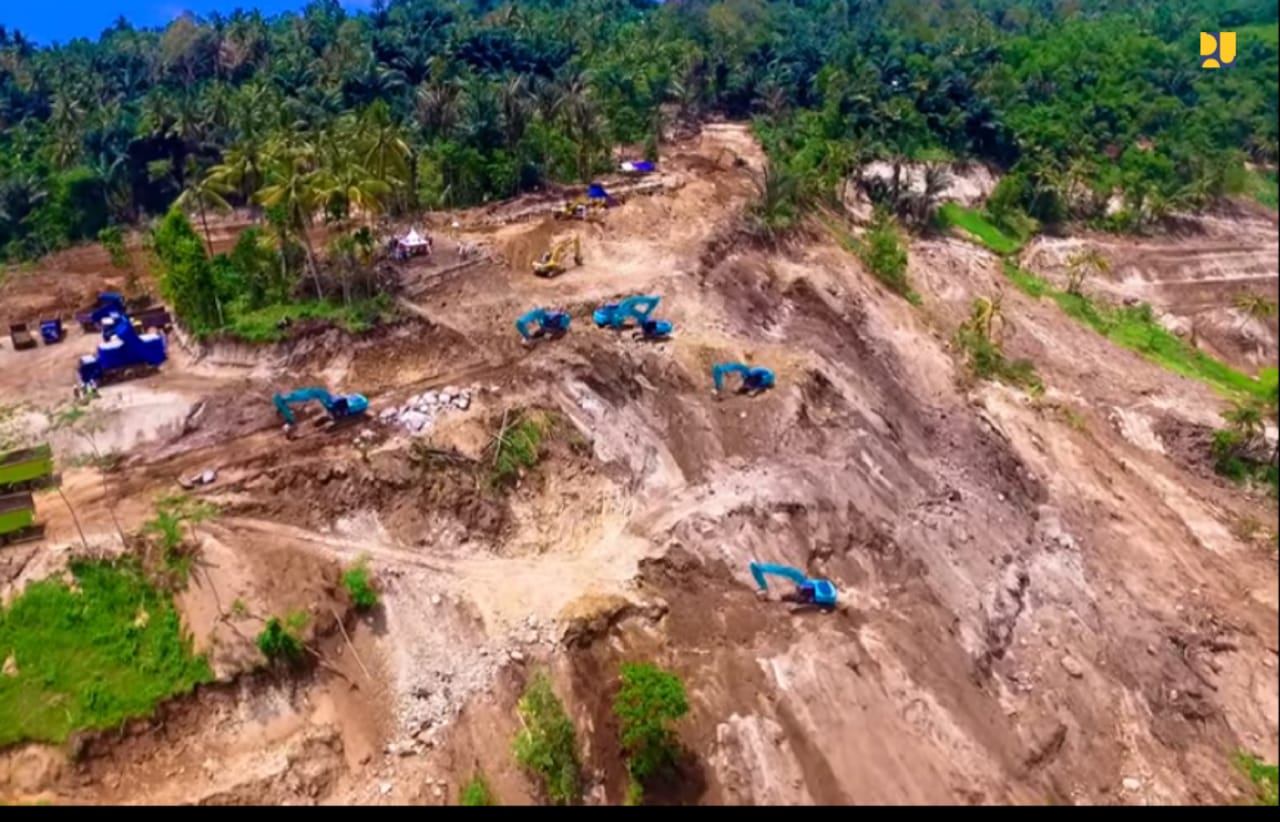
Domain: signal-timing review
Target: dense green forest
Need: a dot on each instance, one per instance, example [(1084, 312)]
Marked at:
[(325, 114)]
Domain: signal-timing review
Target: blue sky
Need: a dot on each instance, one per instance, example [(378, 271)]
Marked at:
[(48, 20)]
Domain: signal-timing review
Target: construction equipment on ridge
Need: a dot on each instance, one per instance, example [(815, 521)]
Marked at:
[(124, 353), (589, 207), (552, 263), (339, 407), (638, 308), (820, 592), (551, 322), (754, 379)]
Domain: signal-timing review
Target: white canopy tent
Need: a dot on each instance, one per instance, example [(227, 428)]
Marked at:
[(414, 243)]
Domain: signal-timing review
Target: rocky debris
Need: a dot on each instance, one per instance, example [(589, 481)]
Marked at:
[(1046, 745), (419, 413), (1050, 531), (1072, 666), (1006, 606)]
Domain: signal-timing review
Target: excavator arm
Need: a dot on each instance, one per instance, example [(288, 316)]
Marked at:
[(808, 591), (760, 570), (718, 372), (753, 379), (636, 308)]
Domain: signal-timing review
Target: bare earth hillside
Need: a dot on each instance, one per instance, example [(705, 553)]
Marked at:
[(1042, 600)]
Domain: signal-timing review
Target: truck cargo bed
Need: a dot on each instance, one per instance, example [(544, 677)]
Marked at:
[(25, 468), (17, 518)]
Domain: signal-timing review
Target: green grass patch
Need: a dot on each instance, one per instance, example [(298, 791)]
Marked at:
[(476, 793), (954, 215), (92, 657), (1265, 778), (269, 324), (1136, 328), (547, 745), (518, 446), (1264, 187)]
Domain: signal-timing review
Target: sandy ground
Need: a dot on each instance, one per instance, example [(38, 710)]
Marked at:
[(1033, 610)]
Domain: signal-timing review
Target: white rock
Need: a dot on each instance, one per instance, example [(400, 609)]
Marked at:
[(430, 398), (414, 420), (388, 414), (435, 599), (452, 390), (384, 788), (463, 402), (516, 656), (1131, 783)]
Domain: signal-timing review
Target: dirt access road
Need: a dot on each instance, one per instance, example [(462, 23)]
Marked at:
[(1036, 606)]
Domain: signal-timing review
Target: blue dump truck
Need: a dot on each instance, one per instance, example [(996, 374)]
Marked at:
[(124, 353)]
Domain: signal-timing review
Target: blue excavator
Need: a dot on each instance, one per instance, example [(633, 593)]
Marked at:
[(550, 322), (339, 407), (819, 592), (754, 379), (638, 308)]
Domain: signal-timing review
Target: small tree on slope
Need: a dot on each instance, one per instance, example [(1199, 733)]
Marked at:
[(650, 701)]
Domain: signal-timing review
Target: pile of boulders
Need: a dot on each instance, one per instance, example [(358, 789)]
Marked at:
[(419, 413)]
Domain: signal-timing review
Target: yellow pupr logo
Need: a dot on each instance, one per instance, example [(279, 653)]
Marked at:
[(1217, 50)]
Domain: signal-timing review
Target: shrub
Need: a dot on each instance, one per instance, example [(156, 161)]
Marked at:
[(280, 641), (518, 446), (547, 745), (882, 252), (476, 793), (648, 703), (359, 587)]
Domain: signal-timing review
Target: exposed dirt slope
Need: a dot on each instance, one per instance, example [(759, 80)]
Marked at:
[(1195, 277), (1036, 606)]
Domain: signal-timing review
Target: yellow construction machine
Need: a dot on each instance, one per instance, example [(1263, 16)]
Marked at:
[(552, 263), (583, 208)]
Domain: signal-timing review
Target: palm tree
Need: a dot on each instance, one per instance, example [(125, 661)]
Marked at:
[(436, 106), (203, 194), (1253, 306), (583, 121), (1082, 264), (293, 186), (383, 148), (776, 209), (242, 168)]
